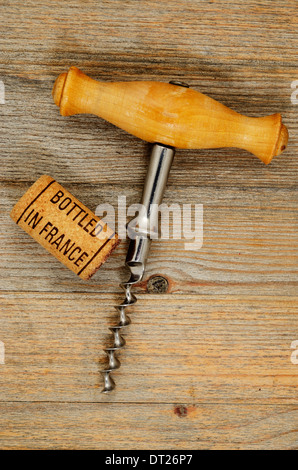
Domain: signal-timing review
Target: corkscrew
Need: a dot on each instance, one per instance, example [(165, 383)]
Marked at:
[(144, 229), (169, 115)]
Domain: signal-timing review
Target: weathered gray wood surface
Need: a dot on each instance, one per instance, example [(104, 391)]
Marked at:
[(154, 426), (208, 363), (185, 347)]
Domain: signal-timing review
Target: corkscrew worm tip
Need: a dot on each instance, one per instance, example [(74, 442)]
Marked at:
[(119, 342)]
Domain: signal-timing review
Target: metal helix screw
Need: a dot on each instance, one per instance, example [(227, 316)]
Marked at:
[(119, 341)]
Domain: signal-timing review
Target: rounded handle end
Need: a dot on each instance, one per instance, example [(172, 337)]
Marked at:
[(282, 140), (58, 88), (270, 138)]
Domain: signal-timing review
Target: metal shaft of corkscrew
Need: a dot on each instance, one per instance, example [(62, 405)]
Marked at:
[(144, 228)]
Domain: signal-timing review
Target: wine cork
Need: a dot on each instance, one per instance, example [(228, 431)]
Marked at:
[(65, 227)]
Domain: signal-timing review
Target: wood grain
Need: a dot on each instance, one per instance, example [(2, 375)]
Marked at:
[(154, 426), (207, 365), (250, 242), (186, 347)]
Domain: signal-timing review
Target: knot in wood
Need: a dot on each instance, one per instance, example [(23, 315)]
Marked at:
[(157, 285)]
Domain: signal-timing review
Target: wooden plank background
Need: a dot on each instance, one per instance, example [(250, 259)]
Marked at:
[(207, 364)]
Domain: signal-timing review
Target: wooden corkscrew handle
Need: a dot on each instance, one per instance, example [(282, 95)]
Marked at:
[(169, 114)]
